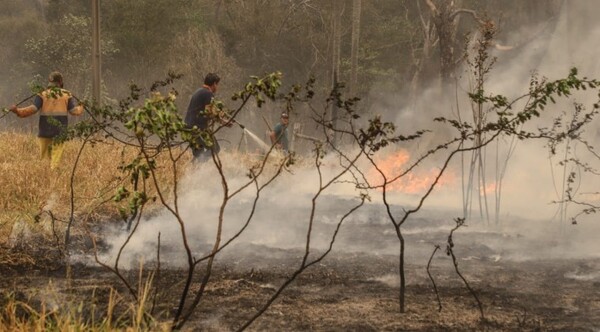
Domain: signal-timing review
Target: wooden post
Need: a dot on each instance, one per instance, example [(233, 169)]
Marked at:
[(295, 131), (96, 73), (334, 114), (337, 10)]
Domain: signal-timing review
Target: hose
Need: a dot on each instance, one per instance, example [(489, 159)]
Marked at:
[(6, 111)]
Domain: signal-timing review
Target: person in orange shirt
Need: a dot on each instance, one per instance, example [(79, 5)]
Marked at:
[(54, 105)]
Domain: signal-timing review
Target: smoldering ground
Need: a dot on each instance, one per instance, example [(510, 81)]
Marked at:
[(278, 228)]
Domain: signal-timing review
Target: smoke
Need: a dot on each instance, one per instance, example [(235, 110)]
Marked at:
[(534, 178), (528, 227), (530, 222), (280, 218), (279, 225)]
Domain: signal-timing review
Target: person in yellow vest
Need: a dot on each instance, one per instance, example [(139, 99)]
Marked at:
[(54, 105)]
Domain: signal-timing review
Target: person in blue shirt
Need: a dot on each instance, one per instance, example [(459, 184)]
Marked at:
[(279, 135), (198, 114)]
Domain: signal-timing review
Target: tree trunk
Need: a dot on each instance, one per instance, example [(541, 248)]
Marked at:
[(336, 39), (335, 60), (421, 57), (356, 11), (446, 30), (444, 18)]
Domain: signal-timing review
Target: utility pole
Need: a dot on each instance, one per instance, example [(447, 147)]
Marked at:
[(96, 73)]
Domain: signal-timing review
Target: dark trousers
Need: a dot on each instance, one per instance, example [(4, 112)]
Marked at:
[(203, 153)]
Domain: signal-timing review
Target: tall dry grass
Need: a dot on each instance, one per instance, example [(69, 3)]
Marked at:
[(29, 187), (50, 309)]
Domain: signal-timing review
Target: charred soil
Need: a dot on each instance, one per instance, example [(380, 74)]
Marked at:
[(351, 291)]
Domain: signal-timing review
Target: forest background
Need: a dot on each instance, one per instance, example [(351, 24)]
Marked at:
[(387, 51)]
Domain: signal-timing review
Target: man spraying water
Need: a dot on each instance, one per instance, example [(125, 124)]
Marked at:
[(199, 114), (279, 135)]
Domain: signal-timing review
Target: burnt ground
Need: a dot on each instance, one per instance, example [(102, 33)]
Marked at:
[(356, 287)]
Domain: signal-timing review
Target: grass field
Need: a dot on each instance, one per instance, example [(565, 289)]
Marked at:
[(29, 187)]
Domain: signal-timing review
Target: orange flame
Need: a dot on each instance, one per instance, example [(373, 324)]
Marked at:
[(416, 181), (489, 188)]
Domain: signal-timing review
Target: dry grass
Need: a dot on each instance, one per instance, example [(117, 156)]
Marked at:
[(29, 186), (31, 189), (51, 310)]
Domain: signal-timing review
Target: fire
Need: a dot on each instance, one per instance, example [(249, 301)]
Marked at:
[(488, 189), (416, 181)]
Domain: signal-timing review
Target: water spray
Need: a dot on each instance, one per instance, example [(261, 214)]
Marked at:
[(255, 138), (245, 132)]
